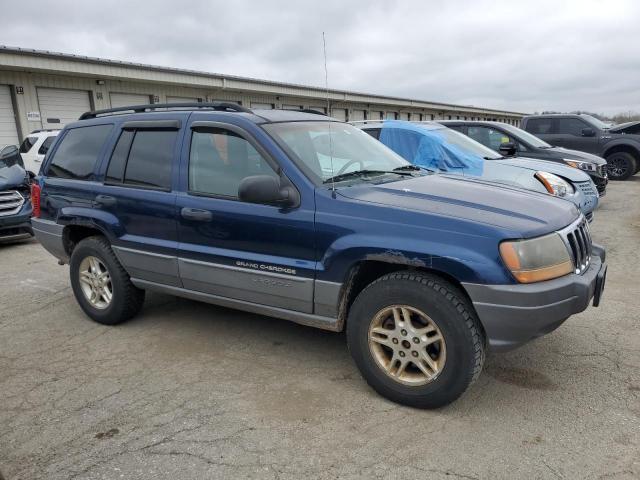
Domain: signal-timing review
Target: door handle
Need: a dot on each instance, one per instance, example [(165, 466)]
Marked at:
[(105, 201), (196, 214)]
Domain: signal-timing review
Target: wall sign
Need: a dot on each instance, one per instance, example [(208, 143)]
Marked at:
[(33, 116), (19, 90), (99, 95)]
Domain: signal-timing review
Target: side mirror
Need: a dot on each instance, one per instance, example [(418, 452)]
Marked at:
[(508, 149), (588, 132), (266, 189)]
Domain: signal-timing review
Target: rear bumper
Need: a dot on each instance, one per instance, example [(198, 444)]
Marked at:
[(49, 234), (514, 314)]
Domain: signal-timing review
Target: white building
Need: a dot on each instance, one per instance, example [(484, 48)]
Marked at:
[(46, 90)]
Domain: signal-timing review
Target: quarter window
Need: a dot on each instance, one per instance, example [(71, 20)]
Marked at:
[(26, 145), (220, 159), (78, 152)]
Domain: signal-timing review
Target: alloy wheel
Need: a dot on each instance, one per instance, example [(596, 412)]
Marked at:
[(95, 282), (407, 345)]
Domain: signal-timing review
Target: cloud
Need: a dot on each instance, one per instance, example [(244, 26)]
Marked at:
[(522, 56)]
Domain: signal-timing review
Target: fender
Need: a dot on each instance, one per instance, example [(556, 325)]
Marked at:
[(466, 262), (107, 223), (625, 141)]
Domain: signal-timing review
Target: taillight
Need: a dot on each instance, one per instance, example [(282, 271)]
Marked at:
[(35, 199)]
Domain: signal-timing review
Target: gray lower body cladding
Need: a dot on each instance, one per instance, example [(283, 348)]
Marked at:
[(514, 314)]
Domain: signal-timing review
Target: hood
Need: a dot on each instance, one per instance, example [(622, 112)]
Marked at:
[(630, 128), (577, 155), (570, 173), (522, 213), (12, 177)]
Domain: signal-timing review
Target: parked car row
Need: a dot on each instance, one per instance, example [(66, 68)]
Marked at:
[(618, 144), (306, 218), (437, 148)]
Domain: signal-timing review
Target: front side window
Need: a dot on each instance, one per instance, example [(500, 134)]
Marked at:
[(489, 137), (27, 143), (571, 126), (78, 152), (220, 159), (143, 158)]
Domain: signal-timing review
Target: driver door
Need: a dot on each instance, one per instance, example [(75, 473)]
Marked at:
[(255, 253)]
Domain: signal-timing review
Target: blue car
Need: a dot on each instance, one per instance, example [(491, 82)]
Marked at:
[(437, 148), (235, 207)]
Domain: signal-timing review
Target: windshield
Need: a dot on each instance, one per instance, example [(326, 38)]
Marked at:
[(467, 144), (525, 136), (324, 150)]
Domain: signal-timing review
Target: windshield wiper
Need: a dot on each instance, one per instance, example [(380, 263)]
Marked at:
[(361, 173), (406, 167)]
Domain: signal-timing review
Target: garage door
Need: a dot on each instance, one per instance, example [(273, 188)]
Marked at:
[(8, 131), (404, 116), (391, 116), (357, 115), (339, 113), (128, 99), (182, 99), (59, 107)]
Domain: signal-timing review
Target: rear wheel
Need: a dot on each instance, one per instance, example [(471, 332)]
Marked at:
[(101, 285), (621, 166), (415, 339)]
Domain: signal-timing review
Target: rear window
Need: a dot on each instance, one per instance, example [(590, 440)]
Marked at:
[(44, 148), (78, 152), (539, 126), (26, 145), (143, 158)]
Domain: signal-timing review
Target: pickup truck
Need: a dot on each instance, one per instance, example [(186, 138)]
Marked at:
[(231, 206), (619, 145)]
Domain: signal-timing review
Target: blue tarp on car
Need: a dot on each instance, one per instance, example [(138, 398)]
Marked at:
[(431, 149)]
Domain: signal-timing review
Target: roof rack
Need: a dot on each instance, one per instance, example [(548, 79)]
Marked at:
[(217, 106), (46, 130)]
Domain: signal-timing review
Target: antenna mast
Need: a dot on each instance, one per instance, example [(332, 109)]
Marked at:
[(326, 85)]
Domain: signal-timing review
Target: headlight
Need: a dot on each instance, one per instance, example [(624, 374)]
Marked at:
[(588, 166), (536, 259), (554, 184)]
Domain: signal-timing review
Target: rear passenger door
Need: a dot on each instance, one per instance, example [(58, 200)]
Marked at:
[(262, 254), (138, 193)]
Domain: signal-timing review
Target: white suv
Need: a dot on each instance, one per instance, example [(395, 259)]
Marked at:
[(35, 146)]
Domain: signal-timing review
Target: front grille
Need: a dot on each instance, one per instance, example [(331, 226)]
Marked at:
[(577, 237), (10, 203), (601, 184)]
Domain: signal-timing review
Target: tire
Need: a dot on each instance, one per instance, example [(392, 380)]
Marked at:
[(126, 300), (452, 316), (621, 166)]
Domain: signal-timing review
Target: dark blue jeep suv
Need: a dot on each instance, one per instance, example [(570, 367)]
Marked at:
[(245, 209)]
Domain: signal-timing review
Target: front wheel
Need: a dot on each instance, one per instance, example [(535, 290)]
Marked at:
[(101, 285), (621, 166), (415, 339)]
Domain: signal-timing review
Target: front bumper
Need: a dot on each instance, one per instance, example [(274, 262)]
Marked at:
[(514, 314), (18, 226)]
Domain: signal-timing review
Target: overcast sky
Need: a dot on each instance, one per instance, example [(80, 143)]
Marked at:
[(516, 55)]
